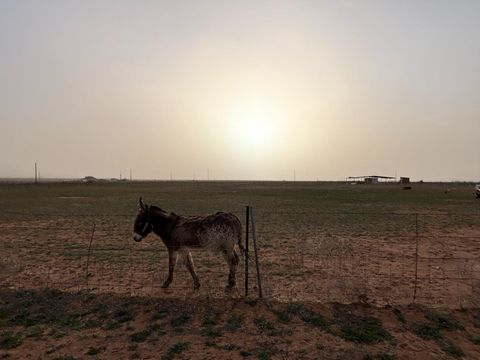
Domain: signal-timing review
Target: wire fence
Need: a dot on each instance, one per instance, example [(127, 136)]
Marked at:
[(380, 258)]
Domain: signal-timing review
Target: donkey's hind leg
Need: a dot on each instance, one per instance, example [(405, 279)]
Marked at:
[(189, 264), (232, 261)]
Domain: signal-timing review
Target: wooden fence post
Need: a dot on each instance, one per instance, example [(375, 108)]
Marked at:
[(254, 236)]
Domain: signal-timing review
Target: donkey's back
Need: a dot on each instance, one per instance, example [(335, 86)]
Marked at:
[(221, 230)]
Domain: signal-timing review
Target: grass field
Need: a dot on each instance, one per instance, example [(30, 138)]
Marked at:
[(58, 199), (319, 243)]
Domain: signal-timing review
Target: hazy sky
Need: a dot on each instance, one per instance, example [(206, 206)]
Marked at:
[(246, 89)]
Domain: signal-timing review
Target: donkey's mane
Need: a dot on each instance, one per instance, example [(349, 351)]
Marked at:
[(157, 209), (160, 210)]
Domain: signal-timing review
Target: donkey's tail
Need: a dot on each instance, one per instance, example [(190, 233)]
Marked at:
[(240, 245), (239, 237)]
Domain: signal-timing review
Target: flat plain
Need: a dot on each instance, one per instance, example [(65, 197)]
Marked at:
[(317, 241), (319, 244)]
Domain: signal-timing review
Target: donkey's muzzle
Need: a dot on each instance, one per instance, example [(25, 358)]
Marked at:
[(137, 237)]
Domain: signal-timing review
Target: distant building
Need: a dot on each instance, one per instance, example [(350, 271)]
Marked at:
[(89, 179), (370, 179), (404, 180)]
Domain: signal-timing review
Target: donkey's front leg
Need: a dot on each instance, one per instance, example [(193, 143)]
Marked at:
[(172, 260)]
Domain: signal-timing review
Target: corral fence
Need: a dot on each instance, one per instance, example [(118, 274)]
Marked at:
[(380, 258)]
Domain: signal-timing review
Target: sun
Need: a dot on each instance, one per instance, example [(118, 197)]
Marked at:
[(252, 129)]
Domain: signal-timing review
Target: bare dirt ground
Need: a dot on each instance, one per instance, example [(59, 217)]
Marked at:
[(53, 325), (378, 263)]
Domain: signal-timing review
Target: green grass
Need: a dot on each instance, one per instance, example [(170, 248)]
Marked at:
[(179, 321), (175, 350), (427, 331), (269, 329), (122, 198), (160, 314), (431, 330), (379, 356), (210, 318), (263, 324), (44, 314), (234, 322), (399, 315), (123, 315), (10, 340), (307, 315), (140, 336), (94, 350), (360, 329), (475, 339), (282, 316), (34, 332), (366, 330), (443, 322), (452, 349)]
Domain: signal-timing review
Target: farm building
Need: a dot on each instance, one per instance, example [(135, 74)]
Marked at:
[(404, 180), (89, 179), (370, 179)]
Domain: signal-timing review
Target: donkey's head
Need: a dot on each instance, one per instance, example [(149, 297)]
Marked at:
[(142, 225)]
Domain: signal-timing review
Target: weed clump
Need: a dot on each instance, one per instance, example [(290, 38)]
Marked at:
[(282, 316), (175, 350), (9, 340), (94, 351), (234, 322), (380, 356), (399, 315), (180, 320), (308, 316), (452, 349), (443, 322), (360, 329), (427, 331)]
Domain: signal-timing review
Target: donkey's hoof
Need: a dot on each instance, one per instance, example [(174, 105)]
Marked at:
[(196, 286), (229, 288), (165, 285)]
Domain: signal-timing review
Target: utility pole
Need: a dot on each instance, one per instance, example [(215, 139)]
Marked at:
[(36, 178), (130, 174), (120, 175), (171, 176)]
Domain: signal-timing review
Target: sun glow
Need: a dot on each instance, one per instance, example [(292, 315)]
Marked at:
[(254, 128), (253, 131)]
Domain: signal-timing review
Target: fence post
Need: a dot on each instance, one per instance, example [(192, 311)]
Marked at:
[(254, 235), (416, 259), (246, 248), (88, 256)]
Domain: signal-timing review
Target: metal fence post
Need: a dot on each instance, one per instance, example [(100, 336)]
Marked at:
[(88, 256), (416, 259), (247, 230), (254, 235)]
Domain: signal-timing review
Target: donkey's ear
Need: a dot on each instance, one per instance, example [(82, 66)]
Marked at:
[(142, 205)]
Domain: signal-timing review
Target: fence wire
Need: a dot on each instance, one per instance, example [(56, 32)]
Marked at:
[(379, 258)]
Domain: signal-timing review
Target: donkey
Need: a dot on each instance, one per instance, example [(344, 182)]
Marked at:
[(220, 231)]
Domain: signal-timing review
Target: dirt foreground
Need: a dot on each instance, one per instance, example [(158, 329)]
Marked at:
[(50, 324)]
